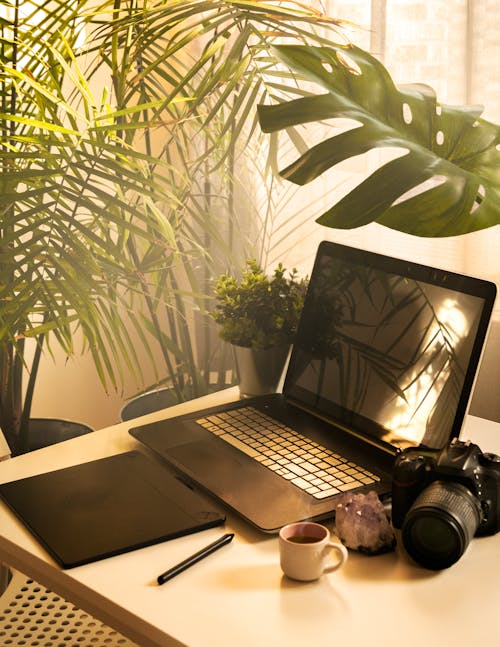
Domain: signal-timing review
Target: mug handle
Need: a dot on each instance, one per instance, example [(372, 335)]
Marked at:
[(342, 553)]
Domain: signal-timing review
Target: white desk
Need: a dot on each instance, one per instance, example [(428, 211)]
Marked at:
[(238, 597)]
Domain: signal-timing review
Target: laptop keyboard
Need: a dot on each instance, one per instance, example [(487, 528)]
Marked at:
[(305, 463)]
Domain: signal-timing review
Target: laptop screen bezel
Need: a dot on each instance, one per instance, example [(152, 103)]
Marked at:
[(465, 284)]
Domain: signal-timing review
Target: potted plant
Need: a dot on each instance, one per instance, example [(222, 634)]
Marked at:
[(258, 315), (74, 203)]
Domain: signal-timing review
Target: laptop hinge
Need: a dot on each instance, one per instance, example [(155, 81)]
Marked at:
[(375, 442)]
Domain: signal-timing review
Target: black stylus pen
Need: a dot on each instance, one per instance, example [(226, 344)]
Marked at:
[(204, 552)]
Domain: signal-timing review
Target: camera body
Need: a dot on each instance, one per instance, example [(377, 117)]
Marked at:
[(460, 463)]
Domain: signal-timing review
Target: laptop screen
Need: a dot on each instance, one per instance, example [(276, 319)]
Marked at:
[(388, 348)]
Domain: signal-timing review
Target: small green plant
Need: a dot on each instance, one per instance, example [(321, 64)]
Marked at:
[(257, 311)]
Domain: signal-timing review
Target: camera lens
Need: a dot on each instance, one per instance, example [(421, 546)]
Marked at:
[(440, 524)]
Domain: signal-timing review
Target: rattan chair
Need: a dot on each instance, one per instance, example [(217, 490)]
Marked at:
[(33, 616)]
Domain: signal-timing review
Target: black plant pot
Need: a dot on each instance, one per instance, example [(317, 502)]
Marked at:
[(48, 431), (148, 402)]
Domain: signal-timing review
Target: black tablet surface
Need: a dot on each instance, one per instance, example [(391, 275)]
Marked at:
[(108, 506)]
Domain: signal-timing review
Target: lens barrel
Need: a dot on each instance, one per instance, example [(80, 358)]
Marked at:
[(440, 524)]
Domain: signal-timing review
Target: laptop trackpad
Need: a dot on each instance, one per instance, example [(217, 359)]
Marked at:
[(256, 485)]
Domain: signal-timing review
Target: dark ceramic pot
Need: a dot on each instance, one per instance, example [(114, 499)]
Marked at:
[(147, 403), (260, 370), (48, 431)]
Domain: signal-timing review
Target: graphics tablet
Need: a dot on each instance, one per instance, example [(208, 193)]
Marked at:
[(108, 506)]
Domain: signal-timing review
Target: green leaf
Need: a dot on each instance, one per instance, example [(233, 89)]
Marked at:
[(451, 149)]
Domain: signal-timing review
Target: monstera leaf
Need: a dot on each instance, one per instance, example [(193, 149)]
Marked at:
[(446, 181)]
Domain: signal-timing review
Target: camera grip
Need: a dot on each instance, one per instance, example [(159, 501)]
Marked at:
[(410, 477)]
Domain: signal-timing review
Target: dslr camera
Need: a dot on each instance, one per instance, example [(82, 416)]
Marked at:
[(443, 498)]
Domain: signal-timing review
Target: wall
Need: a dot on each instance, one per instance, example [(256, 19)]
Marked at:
[(485, 402), (71, 389)]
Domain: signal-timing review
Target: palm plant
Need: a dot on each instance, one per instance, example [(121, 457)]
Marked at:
[(111, 215), (445, 182), (201, 67), (74, 196)]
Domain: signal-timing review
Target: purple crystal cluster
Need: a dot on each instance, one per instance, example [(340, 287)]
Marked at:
[(362, 524)]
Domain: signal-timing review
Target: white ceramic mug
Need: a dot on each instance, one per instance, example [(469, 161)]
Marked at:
[(304, 551)]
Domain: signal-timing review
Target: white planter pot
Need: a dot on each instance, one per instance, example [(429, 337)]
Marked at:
[(260, 371)]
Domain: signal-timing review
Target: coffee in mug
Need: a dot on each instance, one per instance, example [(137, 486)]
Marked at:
[(305, 548), (303, 539)]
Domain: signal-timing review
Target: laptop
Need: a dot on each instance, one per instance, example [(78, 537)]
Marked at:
[(384, 358)]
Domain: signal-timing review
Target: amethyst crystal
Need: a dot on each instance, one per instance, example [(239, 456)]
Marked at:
[(362, 524)]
